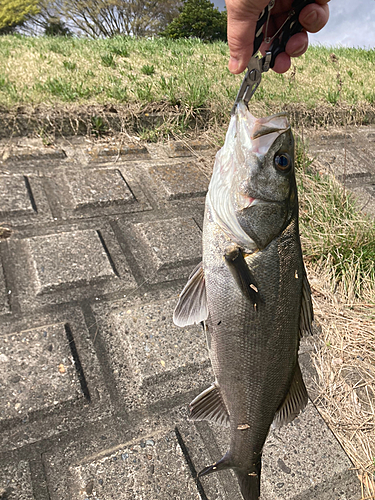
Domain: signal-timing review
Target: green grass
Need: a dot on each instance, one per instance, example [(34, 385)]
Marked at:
[(336, 236), (187, 73)]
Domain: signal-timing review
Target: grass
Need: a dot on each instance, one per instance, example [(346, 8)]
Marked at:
[(187, 73), (336, 236)]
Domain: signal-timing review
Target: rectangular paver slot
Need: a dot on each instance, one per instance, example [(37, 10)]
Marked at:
[(108, 254), (77, 362), (127, 185), (190, 464), (30, 193)]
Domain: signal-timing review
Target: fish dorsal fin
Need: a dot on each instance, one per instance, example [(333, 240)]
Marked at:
[(294, 403), (209, 405), (307, 313), (191, 307)]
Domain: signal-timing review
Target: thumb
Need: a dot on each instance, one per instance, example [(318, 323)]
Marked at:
[(242, 18)]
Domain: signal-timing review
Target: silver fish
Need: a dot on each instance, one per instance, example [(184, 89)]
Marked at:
[(251, 292)]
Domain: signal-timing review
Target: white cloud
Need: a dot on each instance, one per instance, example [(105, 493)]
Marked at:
[(351, 24)]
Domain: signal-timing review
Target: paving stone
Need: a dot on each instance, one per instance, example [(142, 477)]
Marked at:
[(145, 463), (164, 247), (180, 181), (182, 148), (152, 359), (52, 375), (99, 187), (153, 468), (15, 482), (15, 195), (334, 162), (4, 304), (27, 154), (61, 260), (123, 151), (96, 191), (37, 371), (69, 265)]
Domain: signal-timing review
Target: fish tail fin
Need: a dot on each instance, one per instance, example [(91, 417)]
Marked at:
[(223, 464), (249, 482)]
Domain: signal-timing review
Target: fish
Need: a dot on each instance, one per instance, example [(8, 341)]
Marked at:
[(250, 292)]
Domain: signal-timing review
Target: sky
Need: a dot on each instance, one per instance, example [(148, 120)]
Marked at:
[(351, 24)]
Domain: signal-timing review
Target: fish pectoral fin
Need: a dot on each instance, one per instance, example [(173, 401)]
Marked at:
[(241, 273), (294, 403), (209, 405), (307, 312), (192, 307)]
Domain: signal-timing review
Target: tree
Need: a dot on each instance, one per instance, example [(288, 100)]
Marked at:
[(15, 12), (198, 18), (107, 18), (49, 20)]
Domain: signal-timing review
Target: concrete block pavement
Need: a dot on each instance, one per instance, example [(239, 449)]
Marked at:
[(94, 377)]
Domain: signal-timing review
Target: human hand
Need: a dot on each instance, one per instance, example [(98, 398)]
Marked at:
[(242, 19)]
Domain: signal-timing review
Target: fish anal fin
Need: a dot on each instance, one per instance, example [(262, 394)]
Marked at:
[(307, 312), (294, 403), (241, 273), (209, 405), (191, 307), (223, 464)]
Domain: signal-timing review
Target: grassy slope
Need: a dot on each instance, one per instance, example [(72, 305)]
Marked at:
[(187, 73)]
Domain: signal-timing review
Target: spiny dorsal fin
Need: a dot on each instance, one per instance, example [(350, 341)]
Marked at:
[(294, 403), (307, 312), (209, 405), (191, 307)]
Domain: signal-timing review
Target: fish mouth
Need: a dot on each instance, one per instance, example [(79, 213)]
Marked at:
[(248, 201)]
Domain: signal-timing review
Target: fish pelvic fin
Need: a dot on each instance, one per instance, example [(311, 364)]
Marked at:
[(209, 405), (294, 403), (307, 312), (192, 307), (249, 482), (223, 464), (242, 274)]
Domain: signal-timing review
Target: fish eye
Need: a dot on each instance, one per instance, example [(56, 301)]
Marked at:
[(283, 162)]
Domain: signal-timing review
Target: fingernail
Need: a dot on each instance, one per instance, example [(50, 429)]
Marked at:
[(300, 51), (233, 64), (310, 19)]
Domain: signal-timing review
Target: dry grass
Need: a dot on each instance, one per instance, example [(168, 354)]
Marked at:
[(345, 364)]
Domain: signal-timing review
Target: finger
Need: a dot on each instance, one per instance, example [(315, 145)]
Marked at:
[(242, 19), (314, 17), (282, 63), (297, 45)]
